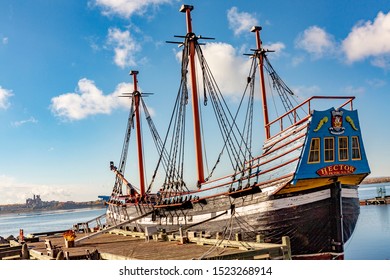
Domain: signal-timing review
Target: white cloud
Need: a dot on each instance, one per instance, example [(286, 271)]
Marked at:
[(277, 48), (377, 83), (351, 90), (229, 68), (316, 41), (304, 92), (381, 61), (22, 122), (14, 191), (297, 60), (240, 22), (125, 47), (5, 94), (4, 40), (370, 39), (88, 100), (127, 8)]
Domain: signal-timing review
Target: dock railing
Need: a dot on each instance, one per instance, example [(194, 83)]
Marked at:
[(95, 223)]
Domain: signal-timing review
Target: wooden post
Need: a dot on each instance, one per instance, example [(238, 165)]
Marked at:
[(60, 255), (69, 243), (260, 238), (25, 252), (21, 235), (286, 242), (337, 237), (183, 239)]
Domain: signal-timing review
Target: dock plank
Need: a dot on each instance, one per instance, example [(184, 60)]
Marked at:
[(128, 247)]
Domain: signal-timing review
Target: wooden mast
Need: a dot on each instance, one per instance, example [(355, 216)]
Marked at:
[(195, 104), (136, 96), (257, 30)]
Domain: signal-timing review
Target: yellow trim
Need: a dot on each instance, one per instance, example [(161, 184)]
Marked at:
[(345, 149), (308, 184), (356, 148), (314, 150), (328, 149)]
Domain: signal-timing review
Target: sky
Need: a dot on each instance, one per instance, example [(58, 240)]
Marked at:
[(63, 64)]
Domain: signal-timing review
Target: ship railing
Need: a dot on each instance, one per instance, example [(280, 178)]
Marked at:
[(293, 113), (95, 223)]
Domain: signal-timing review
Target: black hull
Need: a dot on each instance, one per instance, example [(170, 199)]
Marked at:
[(311, 223)]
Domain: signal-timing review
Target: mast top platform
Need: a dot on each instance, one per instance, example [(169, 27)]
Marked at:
[(134, 72), (256, 28), (184, 8)]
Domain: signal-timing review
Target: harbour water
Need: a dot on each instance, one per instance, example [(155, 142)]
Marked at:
[(44, 221), (370, 240)]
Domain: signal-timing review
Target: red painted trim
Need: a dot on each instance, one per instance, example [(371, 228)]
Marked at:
[(279, 156), (272, 147), (305, 119), (307, 102), (282, 146)]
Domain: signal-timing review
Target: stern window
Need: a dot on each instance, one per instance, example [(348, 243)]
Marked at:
[(314, 154), (356, 148), (343, 148), (329, 149)]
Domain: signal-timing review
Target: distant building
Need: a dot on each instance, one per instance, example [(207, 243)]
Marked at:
[(34, 202)]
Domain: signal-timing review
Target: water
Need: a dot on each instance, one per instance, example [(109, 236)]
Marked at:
[(34, 222), (370, 240), (373, 190)]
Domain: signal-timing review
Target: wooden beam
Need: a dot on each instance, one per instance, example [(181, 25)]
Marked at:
[(34, 254), (112, 227)]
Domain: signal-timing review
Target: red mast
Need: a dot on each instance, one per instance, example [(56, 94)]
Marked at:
[(195, 104), (136, 96), (257, 30)]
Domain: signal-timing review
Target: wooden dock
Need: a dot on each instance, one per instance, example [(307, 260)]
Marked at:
[(119, 244), (13, 250), (376, 201)]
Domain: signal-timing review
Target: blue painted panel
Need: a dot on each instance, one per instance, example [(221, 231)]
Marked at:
[(332, 123)]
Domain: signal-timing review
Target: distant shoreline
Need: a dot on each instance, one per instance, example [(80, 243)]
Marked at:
[(21, 208), (376, 180)]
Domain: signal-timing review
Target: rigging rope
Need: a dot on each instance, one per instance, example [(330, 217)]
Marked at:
[(117, 189), (236, 142), (233, 137), (282, 89)]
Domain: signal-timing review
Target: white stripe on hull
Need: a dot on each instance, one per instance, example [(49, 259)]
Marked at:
[(259, 207)]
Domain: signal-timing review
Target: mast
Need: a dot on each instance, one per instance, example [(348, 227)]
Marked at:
[(195, 104), (256, 30), (136, 96)]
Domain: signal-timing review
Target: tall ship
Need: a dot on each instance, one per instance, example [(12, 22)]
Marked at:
[(301, 182)]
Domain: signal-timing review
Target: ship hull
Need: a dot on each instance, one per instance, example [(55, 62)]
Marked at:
[(308, 218)]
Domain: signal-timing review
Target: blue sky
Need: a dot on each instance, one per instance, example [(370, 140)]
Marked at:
[(63, 64)]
